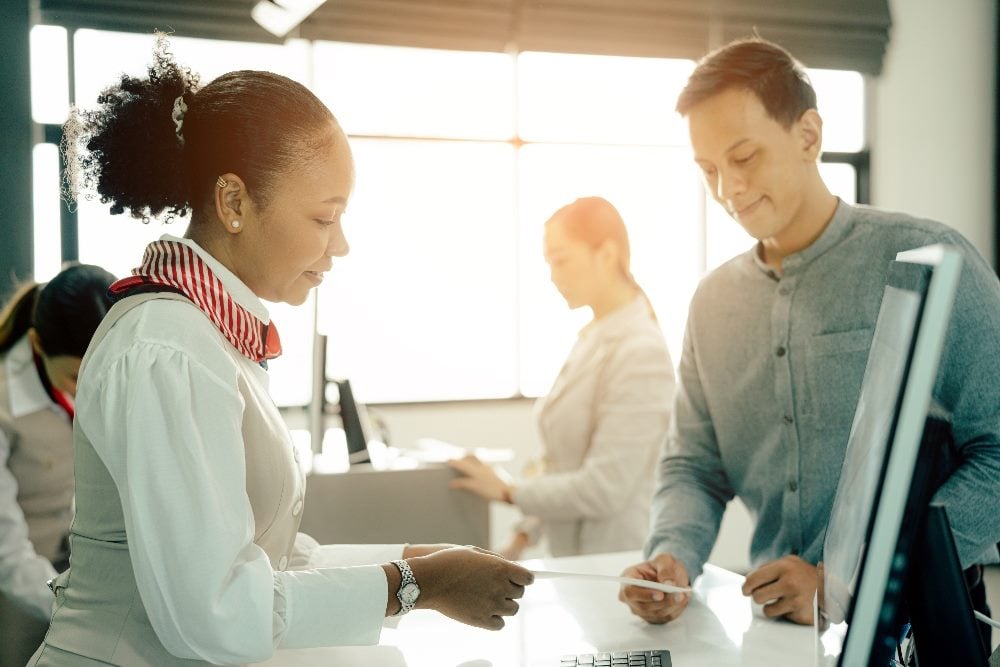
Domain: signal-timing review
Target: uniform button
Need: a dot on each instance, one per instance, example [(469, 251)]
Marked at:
[(297, 508), (793, 486), (780, 351), (283, 563), (784, 290), (787, 419)]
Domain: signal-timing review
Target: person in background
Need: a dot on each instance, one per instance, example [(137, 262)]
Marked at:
[(777, 341), (44, 332), (604, 420), (185, 542)]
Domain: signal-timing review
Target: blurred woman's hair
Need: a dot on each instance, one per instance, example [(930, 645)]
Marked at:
[(65, 312), (594, 221)]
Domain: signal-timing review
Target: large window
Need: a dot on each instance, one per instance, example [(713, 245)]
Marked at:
[(460, 159)]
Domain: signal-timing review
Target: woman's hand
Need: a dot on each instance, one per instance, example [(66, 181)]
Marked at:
[(470, 585), (480, 479), (415, 550), (516, 546)]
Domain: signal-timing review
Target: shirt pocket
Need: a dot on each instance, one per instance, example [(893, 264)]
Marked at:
[(835, 366)]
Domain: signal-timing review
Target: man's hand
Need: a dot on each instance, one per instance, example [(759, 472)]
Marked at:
[(651, 605), (785, 587)]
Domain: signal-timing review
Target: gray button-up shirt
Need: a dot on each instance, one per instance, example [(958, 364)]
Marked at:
[(770, 375)]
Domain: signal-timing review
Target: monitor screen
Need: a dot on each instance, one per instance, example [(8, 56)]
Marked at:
[(357, 430), (848, 530), (862, 569)]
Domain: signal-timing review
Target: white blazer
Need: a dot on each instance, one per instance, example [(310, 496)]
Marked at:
[(602, 426)]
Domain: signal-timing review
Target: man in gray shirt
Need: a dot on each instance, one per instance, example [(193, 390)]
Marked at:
[(776, 345)]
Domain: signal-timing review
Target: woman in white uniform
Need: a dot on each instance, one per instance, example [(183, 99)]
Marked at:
[(604, 420), (185, 544), (44, 331)]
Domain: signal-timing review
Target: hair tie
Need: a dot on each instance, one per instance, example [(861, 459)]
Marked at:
[(178, 116)]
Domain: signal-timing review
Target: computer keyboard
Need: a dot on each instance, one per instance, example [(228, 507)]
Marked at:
[(655, 658)]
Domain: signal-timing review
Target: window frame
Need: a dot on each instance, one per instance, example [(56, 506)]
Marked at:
[(70, 245)]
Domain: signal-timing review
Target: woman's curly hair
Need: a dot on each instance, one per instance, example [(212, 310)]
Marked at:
[(251, 123), (128, 150)]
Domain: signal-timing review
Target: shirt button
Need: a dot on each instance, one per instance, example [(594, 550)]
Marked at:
[(283, 563), (297, 508), (784, 290), (780, 351), (793, 486), (787, 419)]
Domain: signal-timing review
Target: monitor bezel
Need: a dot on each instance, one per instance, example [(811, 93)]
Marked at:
[(865, 616), (357, 431)]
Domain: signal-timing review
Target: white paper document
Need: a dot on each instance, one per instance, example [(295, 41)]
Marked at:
[(666, 588)]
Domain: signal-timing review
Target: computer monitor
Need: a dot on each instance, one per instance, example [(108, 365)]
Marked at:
[(357, 428), (881, 530)]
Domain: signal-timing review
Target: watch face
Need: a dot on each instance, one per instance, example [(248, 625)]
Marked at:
[(409, 593)]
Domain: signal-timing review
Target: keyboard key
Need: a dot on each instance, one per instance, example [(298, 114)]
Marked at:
[(655, 658)]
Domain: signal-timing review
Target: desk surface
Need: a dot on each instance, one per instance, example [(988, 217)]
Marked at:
[(573, 616)]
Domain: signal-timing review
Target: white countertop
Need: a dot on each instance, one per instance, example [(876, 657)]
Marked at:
[(561, 616)]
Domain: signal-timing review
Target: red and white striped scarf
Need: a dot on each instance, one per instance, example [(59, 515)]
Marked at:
[(179, 268)]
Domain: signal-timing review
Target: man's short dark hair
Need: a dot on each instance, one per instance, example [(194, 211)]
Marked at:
[(758, 66)]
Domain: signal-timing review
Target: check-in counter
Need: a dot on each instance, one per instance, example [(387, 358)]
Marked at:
[(368, 506)]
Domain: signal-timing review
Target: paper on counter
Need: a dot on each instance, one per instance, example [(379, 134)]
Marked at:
[(666, 588)]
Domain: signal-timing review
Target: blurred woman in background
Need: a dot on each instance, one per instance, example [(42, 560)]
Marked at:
[(604, 420), (44, 332)]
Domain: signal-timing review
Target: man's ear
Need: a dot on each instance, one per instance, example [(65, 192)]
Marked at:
[(809, 131), (231, 202)]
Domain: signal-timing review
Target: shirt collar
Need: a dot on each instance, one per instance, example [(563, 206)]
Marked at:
[(242, 294), (618, 319), (27, 394), (835, 230)]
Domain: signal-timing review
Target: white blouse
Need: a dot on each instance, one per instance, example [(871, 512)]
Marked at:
[(23, 572), (161, 380)]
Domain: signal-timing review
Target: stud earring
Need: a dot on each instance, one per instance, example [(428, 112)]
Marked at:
[(221, 182), (235, 224)]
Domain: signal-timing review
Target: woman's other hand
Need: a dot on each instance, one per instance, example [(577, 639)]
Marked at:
[(518, 543), (480, 479)]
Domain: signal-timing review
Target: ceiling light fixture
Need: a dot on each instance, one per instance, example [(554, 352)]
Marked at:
[(279, 17)]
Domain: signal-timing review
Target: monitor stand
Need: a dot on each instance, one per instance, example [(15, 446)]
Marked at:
[(945, 631)]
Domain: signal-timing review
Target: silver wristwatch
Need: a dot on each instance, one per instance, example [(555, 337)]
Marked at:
[(408, 590)]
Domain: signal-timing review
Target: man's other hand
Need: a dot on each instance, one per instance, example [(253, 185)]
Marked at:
[(785, 587)]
